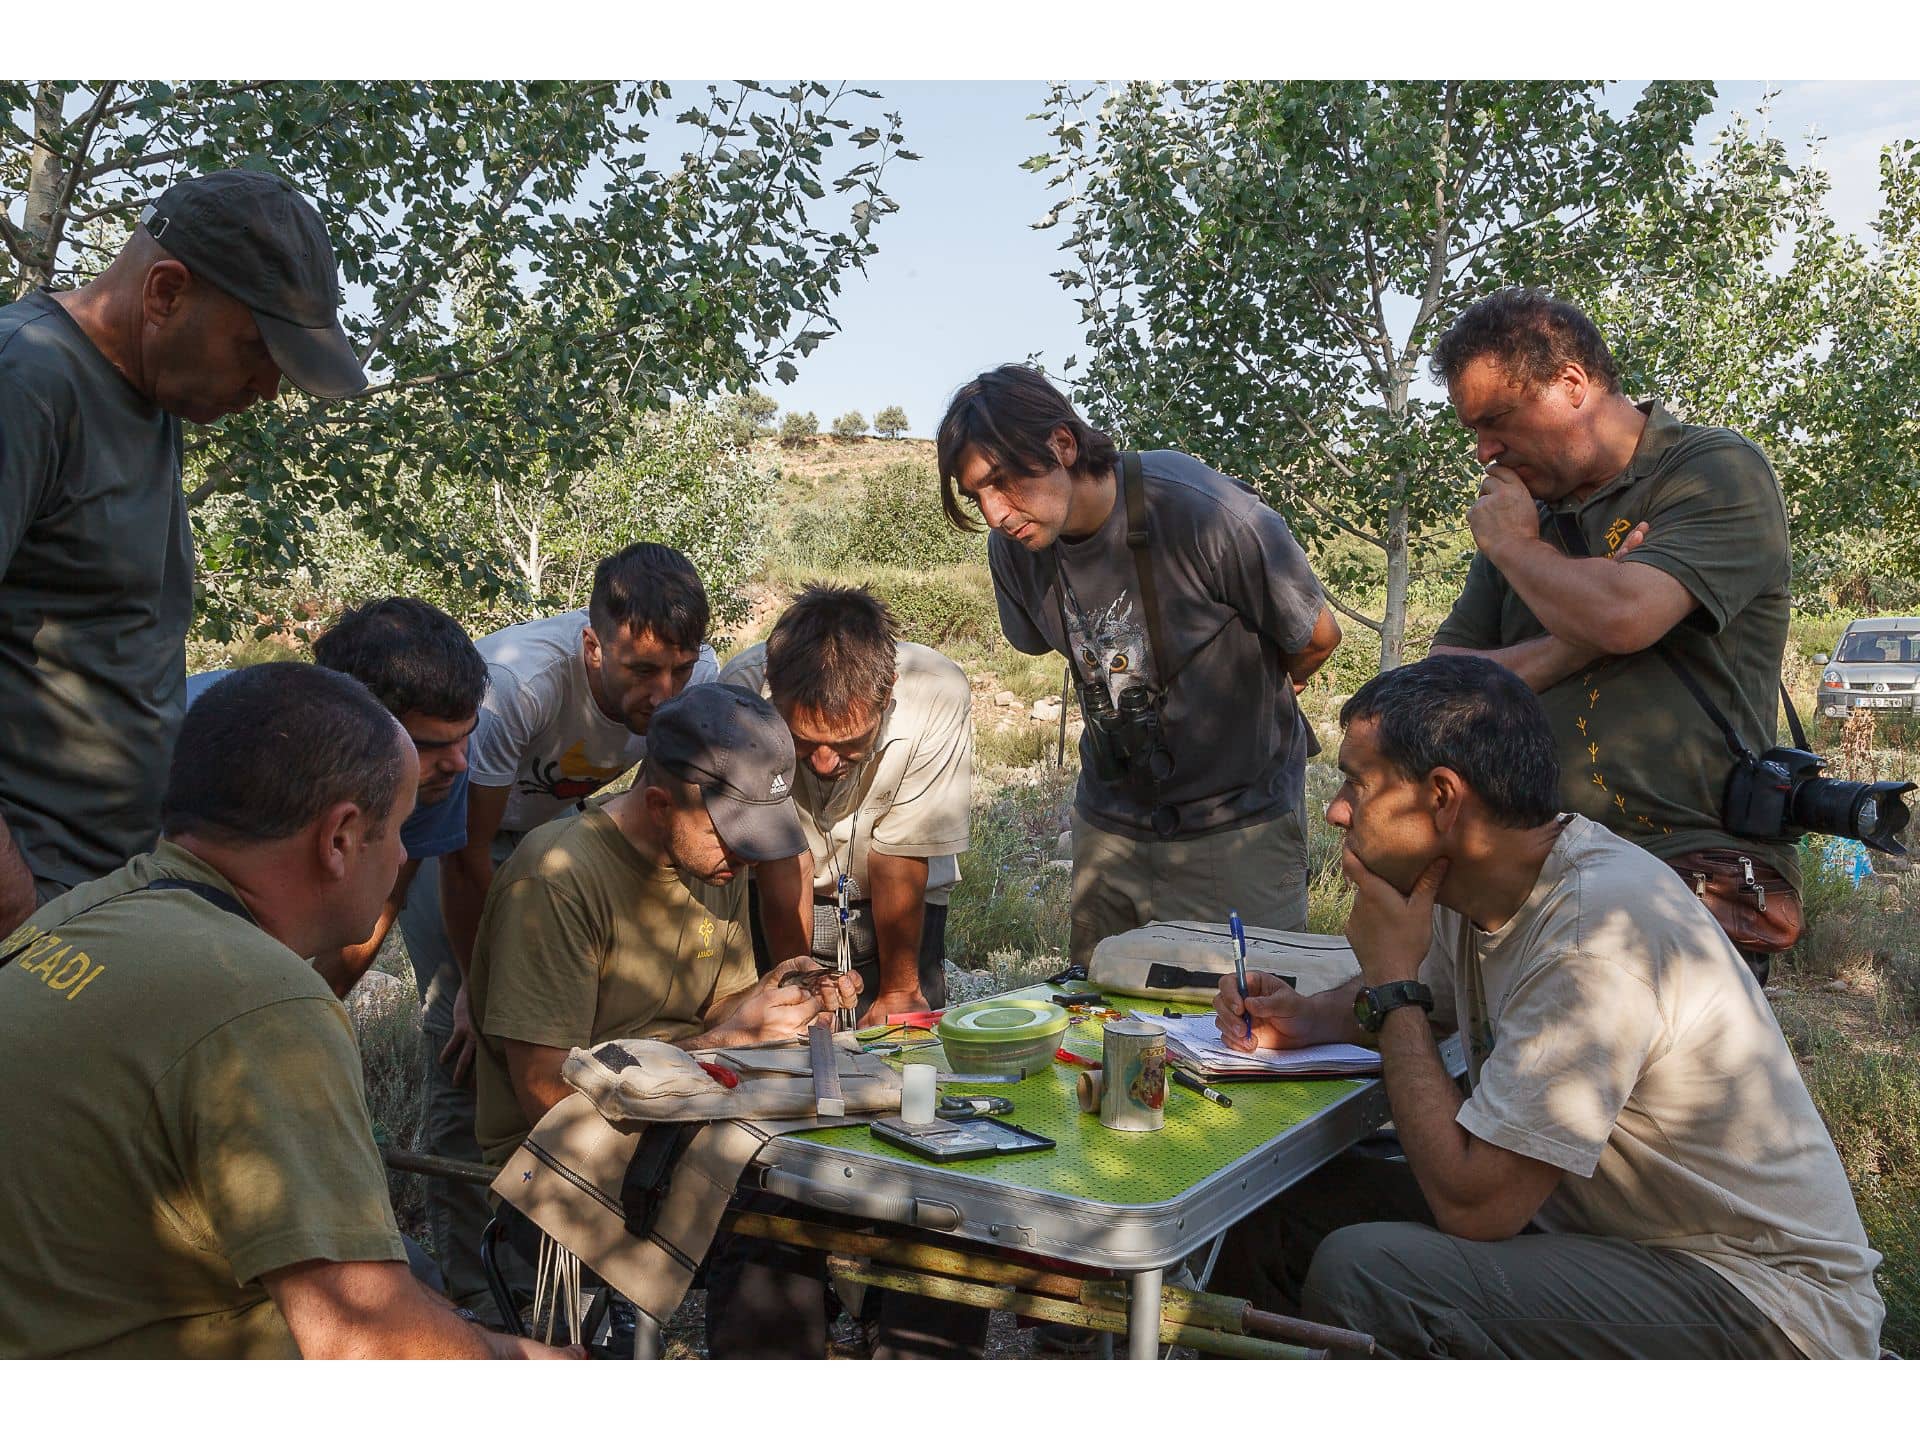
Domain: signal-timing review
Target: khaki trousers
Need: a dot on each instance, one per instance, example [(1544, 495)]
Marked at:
[(1422, 1294), (1121, 883)]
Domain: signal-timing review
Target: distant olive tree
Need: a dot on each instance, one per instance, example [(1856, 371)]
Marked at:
[(850, 426), (798, 426), (890, 423)]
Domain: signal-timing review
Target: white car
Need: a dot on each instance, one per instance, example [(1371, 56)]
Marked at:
[(1875, 667)]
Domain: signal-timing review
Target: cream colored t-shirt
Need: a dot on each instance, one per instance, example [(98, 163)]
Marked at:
[(582, 940), (181, 1112), (1614, 1032), (911, 796)]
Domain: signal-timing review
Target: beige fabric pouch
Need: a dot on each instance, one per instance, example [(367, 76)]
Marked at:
[(1186, 959), (568, 1175)]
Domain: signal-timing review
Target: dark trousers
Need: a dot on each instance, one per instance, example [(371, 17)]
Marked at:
[(1354, 1245)]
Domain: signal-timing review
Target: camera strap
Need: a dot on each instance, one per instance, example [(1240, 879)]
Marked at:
[(1573, 541), (1139, 539)]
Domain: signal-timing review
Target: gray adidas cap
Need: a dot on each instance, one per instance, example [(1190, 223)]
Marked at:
[(257, 238), (738, 750)]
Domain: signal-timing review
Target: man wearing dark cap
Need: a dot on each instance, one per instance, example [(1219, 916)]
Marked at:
[(227, 283), (630, 920)]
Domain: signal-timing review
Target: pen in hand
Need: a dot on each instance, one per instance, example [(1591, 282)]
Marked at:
[(1240, 964)]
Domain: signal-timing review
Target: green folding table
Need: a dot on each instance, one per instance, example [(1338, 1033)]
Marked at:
[(1135, 1204)]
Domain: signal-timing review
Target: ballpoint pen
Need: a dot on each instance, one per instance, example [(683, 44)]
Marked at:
[(1240, 962)]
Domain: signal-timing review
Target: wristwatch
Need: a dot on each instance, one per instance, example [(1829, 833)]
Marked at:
[(1370, 1006)]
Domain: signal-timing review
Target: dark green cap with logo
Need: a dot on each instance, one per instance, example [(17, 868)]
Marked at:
[(257, 238), (737, 749)]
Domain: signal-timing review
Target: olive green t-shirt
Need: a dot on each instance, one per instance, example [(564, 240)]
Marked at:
[(583, 940), (181, 1101), (96, 593), (1637, 753), (1613, 1034)]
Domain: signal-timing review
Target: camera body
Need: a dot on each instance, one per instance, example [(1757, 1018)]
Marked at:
[(1781, 795)]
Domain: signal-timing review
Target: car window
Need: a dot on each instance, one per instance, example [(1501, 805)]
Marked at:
[(1882, 647)]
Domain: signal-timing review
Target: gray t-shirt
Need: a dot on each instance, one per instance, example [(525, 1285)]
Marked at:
[(1236, 597), (96, 592)]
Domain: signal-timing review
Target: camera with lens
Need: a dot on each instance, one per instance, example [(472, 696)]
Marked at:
[(1782, 794)]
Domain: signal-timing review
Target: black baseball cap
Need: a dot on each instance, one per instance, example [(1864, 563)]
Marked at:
[(254, 236), (737, 749)]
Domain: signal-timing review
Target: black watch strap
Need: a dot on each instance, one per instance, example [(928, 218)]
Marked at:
[(1372, 1005)]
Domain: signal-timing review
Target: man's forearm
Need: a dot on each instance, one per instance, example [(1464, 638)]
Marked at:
[(1426, 1108), (785, 888), (17, 900), (465, 876), (1541, 663), (1590, 603), (899, 885)]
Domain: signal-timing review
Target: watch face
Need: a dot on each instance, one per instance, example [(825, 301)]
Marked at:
[(1363, 1010)]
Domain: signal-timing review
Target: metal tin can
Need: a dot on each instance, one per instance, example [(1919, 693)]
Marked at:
[(1134, 1069)]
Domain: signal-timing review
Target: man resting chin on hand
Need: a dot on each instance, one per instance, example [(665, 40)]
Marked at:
[(1602, 1190)]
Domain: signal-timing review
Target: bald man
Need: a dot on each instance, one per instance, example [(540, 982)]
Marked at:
[(227, 283)]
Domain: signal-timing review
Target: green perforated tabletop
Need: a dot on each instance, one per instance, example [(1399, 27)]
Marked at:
[(1113, 1167)]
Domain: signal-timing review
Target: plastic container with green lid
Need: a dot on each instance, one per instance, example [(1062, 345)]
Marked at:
[(1002, 1036)]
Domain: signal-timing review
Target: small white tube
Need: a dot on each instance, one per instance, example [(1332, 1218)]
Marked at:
[(916, 1094)]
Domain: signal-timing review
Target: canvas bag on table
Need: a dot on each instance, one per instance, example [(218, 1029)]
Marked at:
[(646, 1105), (1186, 959)]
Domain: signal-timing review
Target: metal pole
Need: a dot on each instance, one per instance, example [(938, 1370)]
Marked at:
[(413, 1162), (1066, 685), (1143, 1316)]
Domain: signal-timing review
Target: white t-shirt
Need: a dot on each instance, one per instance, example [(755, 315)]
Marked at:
[(540, 731), (911, 796), (1612, 1031)]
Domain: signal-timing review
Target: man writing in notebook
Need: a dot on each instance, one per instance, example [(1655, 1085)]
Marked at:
[(1612, 1186)]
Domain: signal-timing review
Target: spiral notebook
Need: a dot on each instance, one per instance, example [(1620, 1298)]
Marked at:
[(1193, 1041)]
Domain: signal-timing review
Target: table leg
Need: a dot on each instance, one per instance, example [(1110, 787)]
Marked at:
[(1143, 1316)]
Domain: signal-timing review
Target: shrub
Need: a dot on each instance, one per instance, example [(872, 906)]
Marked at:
[(939, 608), (850, 426), (1018, 746), (896, 520), (1009, 911)]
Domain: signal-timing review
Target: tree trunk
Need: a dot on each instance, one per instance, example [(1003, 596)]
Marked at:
[(46, 177), (1393, 619)]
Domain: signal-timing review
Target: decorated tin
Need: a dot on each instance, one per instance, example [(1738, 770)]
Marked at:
[(1133, 1095)]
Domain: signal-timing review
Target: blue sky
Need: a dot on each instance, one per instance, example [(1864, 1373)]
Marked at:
[(962, 282)]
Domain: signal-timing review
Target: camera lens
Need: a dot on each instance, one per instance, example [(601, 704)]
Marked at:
[(1871, 811)]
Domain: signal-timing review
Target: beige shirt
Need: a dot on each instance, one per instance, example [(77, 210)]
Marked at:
[(582, 940), (1613, 1032), (911, 796), (181, 1101)]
